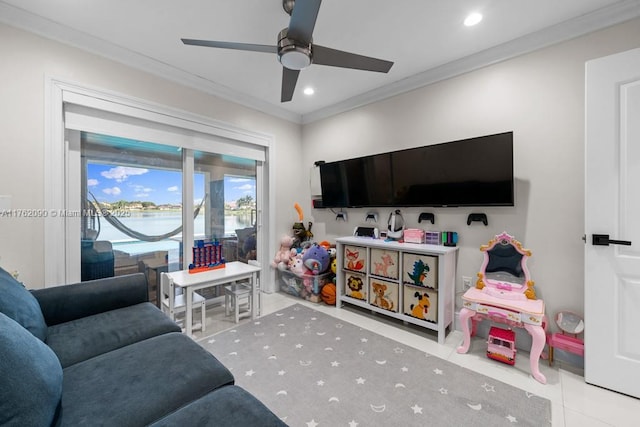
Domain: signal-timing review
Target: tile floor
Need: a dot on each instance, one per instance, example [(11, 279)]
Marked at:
[(573, 402)]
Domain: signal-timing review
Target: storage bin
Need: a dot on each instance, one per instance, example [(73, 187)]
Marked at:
[(413, 235), (421, 303), (355, 285), (306, 286), (420, 270), (384, 263), (383, 294), (355, 258), (432, 238)]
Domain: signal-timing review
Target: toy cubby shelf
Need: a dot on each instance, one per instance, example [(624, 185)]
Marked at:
[(411, 282)]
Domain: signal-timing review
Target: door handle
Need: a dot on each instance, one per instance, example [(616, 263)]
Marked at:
[(603, 240)]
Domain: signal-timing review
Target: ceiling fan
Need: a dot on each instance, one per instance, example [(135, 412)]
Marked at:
[(295, 48)]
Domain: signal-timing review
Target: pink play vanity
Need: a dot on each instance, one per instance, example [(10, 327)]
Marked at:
[(504, 293)]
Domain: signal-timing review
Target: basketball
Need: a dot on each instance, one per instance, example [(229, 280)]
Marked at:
[(328, 294)]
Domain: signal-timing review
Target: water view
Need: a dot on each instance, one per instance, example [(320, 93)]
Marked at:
[(158, 223)]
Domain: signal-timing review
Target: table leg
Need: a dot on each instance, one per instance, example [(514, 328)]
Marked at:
[(254, 296), (188, 316), (538, 339), (465, 315)]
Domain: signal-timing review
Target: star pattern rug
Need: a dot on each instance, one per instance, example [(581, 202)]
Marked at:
[(314, 370)]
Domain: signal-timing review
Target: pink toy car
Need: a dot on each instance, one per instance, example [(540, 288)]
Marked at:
[(501, 345)]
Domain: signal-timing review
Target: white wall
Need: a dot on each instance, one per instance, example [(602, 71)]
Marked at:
[(540, 97), (27, 60)]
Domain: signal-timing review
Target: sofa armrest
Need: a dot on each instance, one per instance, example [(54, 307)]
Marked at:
[(61, 304)]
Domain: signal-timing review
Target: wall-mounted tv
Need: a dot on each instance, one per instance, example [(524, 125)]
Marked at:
[(470, 172)]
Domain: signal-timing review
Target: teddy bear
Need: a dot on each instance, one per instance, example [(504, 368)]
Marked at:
[(282, 257)]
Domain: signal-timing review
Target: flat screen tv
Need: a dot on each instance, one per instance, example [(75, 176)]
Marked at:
[(470, 172)]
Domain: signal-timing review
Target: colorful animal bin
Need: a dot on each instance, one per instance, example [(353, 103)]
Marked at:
[(384, 263), (421, 303), (355, 258), (420, 270), (383, 294), (355, 286)]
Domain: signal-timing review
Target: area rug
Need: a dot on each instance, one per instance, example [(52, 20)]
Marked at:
[(313, 370)]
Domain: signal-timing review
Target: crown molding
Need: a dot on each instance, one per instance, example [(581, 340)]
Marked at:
[(599, 19), (567, 30), (27, 21)]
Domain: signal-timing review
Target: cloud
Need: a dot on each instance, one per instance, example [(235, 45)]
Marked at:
[(239, 180), (121, 173), (173, 189), (247, 187), (114, 191), (141, 191), (92, 182)]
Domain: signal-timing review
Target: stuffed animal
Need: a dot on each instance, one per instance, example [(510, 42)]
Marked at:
[(281, 260), (316, 259), (296, 266)]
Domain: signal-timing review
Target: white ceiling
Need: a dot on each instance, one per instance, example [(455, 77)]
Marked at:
[(424, 38)]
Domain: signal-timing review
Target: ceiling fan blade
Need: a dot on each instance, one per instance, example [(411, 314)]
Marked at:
[(338, 58), (232, 45), (289, 80), (303, 20)]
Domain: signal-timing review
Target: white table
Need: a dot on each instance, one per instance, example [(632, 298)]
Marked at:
[(233, 271)]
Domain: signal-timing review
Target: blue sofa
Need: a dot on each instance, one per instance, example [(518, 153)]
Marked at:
[(98, 353)]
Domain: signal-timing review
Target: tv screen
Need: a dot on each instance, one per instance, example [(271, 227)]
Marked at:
[(470, 172), (359, 182)]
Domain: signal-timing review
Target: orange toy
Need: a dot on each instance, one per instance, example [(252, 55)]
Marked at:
[(328, 294)]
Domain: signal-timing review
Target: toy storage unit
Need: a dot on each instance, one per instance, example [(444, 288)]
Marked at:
[(304, 286), (411, 282)]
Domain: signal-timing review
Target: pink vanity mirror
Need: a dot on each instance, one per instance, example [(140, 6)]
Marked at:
[(504, 272), (504, 293)]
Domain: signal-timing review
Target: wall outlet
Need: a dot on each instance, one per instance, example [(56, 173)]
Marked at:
[(466, 282)]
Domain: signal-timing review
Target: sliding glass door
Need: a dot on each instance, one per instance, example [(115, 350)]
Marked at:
[(144, 205), (123, 136)]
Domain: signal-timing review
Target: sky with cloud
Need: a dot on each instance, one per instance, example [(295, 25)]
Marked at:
[(110, 183)]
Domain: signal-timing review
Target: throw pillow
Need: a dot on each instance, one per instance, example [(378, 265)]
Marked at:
[(20, 305), (31, 378)]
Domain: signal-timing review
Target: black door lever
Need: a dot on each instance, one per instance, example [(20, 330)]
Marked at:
[(603, 240)]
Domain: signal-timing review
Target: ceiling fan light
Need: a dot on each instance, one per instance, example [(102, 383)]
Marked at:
[(295, 59), (293, 54), (309, 91)]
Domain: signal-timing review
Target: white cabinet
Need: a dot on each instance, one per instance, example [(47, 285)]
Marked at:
[(408, 281)]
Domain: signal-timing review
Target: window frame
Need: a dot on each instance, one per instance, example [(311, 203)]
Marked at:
[(62, 168)]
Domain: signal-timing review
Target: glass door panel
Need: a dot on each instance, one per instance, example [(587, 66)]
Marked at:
[(132, 208), (228, 186)]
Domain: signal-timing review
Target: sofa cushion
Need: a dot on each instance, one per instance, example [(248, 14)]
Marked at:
[(140, 383), (90, 336), (229, 406), (20, 305), (31, 377)]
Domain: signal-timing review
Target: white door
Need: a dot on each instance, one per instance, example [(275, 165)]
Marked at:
[(612, 207)]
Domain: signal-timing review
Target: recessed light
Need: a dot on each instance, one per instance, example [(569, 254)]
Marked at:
[(309, 90), (472, 19)]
